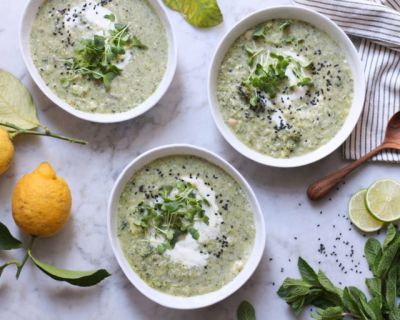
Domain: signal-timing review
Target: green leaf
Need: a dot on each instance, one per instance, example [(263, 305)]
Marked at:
[(110, 17), (388, 256), (173, 4), (366, 310), (390, 236), (260, 32), (16, 104), (307, 273), (391, 288), (376, 306), (373, 253), (285, 25), (296, 293), (331, 313), (374, 286), (7, 241), (246, 311), (199, 13), (328, 285), (352, 298), (76, 278)]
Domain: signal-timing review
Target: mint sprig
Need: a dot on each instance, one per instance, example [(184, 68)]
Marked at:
[(96, 58), (178, 207), (334, 303)]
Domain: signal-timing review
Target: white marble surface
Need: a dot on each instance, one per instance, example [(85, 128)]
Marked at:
[(181, 116)]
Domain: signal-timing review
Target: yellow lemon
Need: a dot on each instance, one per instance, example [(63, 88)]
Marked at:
[(41, 202), (6, 151)]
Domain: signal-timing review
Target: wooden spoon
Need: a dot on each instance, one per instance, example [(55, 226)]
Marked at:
[(320, 188)]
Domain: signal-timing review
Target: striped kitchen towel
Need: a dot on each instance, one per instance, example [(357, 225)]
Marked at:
[(377, 24)]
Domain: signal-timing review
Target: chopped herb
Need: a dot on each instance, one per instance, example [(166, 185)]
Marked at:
[(261, 31), (95, 58), (178, 207), (285, 25), (110, 17)]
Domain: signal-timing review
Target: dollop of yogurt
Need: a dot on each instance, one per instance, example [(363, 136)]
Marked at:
[(88, 12)]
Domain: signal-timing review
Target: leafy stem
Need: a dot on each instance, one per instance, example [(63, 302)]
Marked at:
[(18, 130), (19, 267), (9, 263)]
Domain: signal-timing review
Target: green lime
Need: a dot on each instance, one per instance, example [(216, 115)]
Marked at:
[(360, 215), (383, 200)]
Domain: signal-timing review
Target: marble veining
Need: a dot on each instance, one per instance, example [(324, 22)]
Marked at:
[(294, 225)]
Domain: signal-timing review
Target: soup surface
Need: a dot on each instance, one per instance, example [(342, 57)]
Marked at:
[(99, 56), (284, 88), (185, 226)]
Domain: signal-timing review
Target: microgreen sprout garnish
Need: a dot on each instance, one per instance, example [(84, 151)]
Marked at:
[(261, 31), (285, 25), (95, 58), (270, 74), (174, 213)]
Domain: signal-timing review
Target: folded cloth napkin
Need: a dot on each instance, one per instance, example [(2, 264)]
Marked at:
[(377, 23)]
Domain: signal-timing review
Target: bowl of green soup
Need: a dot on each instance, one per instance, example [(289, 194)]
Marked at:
[(286, 86), (100, 60), (185, 226)]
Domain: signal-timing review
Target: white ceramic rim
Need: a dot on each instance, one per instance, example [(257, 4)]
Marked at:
[(25, 29), (321, 22), (179, 302)]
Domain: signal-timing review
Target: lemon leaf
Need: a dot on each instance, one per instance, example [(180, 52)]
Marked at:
[(16, 104), (173, 4), (76, 278), (7, 241), (199, 13)]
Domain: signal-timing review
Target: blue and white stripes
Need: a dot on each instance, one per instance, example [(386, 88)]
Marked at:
[(377, 23)]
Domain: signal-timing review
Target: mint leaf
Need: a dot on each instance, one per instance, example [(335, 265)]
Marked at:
[(7, 241), (352, 300), (329, 287), (391, 288), (307, 273), (390, 236), (246, 311), (76, 278), (373, 253), (331, 313), (388, 256), (374, 286)]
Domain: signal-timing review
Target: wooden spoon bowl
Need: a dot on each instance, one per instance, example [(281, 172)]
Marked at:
[(322, 187)]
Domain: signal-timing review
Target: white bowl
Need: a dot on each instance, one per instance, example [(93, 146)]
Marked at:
[(28, 16), (179, 302), (322, 23)]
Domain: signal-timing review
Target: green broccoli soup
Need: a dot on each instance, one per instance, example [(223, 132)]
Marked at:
[(104, 56), (185, 226), (284, 88)]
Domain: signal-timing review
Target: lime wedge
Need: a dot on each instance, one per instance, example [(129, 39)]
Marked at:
[(360, 215), (383, 200)]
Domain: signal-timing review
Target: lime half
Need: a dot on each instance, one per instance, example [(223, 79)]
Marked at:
[(360, 215), (383, 200)]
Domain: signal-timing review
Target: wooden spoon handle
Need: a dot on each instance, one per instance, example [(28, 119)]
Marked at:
[(321, 188)]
